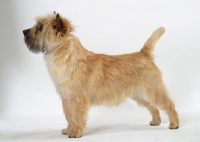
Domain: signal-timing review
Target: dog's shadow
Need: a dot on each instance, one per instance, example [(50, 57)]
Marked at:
[(120, 129)]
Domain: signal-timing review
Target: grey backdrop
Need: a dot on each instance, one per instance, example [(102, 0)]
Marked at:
[(111, 27)]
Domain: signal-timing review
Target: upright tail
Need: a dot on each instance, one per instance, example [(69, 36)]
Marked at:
[(150, 43)]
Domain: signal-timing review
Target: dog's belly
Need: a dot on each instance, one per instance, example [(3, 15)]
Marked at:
[(114, 98), (109, 100)]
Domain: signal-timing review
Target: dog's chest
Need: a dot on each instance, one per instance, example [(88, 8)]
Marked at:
[(60, 75)]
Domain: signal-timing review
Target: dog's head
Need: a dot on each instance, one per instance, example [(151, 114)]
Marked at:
[(50, 31)]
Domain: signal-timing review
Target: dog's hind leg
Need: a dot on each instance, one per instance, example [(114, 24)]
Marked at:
[(159, 97), (156, 120), (168, 106)]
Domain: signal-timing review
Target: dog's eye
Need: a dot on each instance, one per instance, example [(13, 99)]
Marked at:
[(54, 27), (40, 27)]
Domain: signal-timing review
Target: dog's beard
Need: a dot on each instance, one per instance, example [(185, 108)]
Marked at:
[(32, 45)]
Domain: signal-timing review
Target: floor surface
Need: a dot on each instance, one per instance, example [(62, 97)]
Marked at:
[(131, 126)]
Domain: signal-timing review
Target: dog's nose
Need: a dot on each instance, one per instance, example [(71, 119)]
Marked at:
[(26, 31)]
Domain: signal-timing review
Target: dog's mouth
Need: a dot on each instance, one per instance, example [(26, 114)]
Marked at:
[(31, 43)]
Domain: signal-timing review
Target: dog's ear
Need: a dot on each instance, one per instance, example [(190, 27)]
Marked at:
[(54, 12), (59, 23), (60, 26)]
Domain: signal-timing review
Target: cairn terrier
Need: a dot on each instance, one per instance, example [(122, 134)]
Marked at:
[(83, 78)]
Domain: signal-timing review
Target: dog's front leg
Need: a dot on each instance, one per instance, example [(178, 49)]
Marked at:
[(67, 117), (75, 110)]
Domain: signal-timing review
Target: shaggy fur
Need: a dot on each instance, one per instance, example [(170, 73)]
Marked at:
[(83, 78)]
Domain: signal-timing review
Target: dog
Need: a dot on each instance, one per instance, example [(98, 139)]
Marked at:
[(83, 78)]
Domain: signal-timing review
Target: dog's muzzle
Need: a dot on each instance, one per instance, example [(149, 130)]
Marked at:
[(25, 32)]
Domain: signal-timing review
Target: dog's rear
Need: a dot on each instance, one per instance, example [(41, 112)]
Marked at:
[(157, 95), (134, 76)]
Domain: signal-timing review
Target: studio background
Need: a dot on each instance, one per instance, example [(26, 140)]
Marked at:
[(103, 26)]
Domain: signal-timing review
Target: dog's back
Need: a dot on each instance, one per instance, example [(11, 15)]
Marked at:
[(121, 76)]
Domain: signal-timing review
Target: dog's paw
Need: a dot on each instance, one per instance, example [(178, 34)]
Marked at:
[(76, 133), (155, 122), (173, 126), (65, 131)]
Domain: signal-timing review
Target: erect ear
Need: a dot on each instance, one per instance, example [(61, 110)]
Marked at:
[(60, 27), (59, 23)]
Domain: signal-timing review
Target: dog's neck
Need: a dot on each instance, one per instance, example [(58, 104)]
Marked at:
[(68, 53), (66, 58)]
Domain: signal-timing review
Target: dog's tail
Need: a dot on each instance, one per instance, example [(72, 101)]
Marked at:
[(150, 43)]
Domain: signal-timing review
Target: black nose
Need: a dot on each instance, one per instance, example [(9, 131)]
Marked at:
[(26, 31)]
